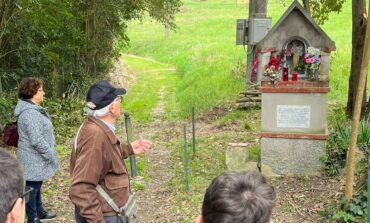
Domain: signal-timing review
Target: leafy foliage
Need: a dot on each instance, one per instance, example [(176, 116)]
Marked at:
[(68, 41), (7, 105), (345, 211), (338, 142), (321, 9), (66, 115)]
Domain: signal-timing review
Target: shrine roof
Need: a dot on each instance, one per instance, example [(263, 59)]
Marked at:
[(325, 43)]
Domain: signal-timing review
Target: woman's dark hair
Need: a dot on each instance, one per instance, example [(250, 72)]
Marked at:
[(29, 86)]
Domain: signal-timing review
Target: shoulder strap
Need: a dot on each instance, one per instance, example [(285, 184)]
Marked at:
[(107, 198), (78, 133)]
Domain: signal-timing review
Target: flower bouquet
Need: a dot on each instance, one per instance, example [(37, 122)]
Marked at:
[(312, 60), (272, 69)]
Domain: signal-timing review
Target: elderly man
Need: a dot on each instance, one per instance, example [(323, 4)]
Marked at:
[(13, 196), (98, 157), (238, 197)]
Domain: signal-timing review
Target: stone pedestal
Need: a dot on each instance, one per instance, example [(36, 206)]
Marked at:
[(292, 156), (294, 130)]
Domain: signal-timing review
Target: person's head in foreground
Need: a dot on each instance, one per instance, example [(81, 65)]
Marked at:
[(12, 194), (238, 197)]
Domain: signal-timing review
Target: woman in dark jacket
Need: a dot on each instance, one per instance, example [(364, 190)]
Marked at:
[(36, 145)]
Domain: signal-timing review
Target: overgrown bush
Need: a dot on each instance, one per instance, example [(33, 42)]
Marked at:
[(7, 105), (338, 143), (68, 41), (67, 115)]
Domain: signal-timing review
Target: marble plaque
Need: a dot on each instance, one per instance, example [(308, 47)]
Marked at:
[(293, 116)]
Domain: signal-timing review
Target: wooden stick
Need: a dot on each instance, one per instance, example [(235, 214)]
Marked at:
[(250, 93), (356, 116), (249, 99)]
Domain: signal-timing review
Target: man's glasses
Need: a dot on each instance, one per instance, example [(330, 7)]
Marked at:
[(25, 197)]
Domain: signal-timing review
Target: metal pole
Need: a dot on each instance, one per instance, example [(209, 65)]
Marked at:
[(186, 161), (193, 125), (134, 172)]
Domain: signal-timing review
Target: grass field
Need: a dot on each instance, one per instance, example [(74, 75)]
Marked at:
[(209, 65)]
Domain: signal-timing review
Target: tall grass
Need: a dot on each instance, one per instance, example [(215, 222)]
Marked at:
[(152, 78), (204, 52), (202, 49)]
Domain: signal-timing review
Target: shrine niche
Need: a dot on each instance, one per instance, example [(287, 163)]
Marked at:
[(297, 44), (293, 56)]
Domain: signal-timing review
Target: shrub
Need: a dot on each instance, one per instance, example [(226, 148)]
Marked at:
[(338, 143), (344, 211)]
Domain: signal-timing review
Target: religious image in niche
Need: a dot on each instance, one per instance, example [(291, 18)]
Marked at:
[(293, 54)]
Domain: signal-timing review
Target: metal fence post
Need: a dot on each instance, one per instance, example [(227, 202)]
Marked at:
[(193, 125), (134, 172), (186, 161)]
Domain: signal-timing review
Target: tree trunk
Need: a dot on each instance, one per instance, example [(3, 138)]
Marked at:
[(367, 114), (306, 4), (260, 8), (358, 40), (351, 157)]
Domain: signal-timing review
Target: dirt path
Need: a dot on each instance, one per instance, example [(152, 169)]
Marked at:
[(155, 200)]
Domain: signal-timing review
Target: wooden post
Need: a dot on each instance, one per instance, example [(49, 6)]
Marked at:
[(356, 116), (166, 28), (250, 50), (257, 9)]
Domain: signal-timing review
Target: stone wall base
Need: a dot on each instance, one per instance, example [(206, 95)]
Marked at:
[(283, 156)]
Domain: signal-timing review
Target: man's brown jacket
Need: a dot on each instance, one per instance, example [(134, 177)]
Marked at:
[(98, 160)]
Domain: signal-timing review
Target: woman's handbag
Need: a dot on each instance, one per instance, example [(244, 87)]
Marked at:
[(10, 134), (127, 213)]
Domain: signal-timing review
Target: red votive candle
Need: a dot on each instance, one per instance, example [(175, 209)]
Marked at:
[(295, 76), (285, 74)]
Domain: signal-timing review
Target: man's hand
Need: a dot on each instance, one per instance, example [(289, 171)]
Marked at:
[(141, 146)]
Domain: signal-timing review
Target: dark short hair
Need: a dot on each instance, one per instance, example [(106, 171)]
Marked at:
[(29, 86), (238, 197), (11, 182)]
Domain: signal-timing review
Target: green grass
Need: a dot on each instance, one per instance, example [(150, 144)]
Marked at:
[(202, 49), (230, 117), (204, 53), (152, 77), (208, 163)]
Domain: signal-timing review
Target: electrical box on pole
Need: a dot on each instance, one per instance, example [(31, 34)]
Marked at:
[(250, 32), (258, 28), (241, 32)]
